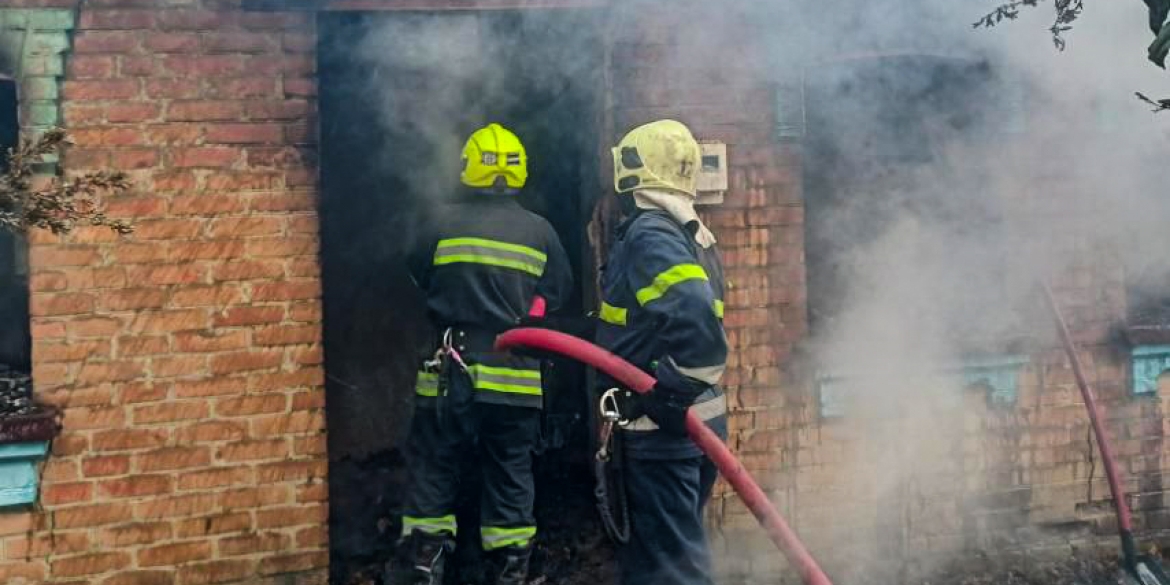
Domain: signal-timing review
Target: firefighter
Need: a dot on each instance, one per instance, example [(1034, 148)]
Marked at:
[(661, 310), (487, 261)]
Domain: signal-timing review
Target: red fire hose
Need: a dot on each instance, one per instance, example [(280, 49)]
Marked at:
[(640, 382)]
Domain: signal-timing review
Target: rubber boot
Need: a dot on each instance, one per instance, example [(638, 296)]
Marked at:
[(511, 565), (421, 560)]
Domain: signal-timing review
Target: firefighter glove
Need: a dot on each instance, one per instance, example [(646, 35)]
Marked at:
[(667, 408)]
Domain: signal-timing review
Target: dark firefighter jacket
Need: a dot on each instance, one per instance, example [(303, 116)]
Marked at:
[(480, 268), (662, 310)]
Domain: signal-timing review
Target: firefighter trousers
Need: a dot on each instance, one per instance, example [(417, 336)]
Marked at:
[(504, 439), (667, 544)]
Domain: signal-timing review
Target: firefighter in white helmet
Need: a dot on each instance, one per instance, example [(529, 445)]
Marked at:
[(661, 310)]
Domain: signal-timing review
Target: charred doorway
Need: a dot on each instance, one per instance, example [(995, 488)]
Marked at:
[(399, 93)]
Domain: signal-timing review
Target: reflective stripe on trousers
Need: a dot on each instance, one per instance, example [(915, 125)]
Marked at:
[(495, 537)]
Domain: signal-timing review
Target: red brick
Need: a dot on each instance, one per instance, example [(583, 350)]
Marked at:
[(299, 43), (90, 67), (291, 516), (129, 20), (303, 223), (105, 465), (155, 577), (304, 87), (276, 565), (54, 256), (56, 494), (61, 304), (23, 572), (287, 291), (314, 492), (218, 477), (144, 392), (164, 274), (94, 417), (241, 88), (205, 157), (286, 201), (243, 361), (218, 386), (254, 451), (245, 181), (207, 204), (67, 444), (58, 543), (287, 335), (178, 366), (128, 439), (305, 312), (289, 109), (135, 486), (51, 374), (203, 66), (75, 351), (210, 341), (242, 316), (216, 572), (90, 564), (293, 423), (313, 446), (170, 412), (84, 158), (235, 227), (247, 270), (238, 42), (93, 515), (309, 400), (251, 405), (245, 133), (133, 299), (290, 471), (143, 345), (172, 458), (249, 544), (171, 42), (193, 19), (170, 321), (304, 267), (176, 89), (313, 537), (136, 66), (218, 297), (57, 469), (129, 207), (176, 506), (204, 111), (92, 41), (307, 356), (95, 278), (114, 89), (43, 331), (174, 554), (94, 327), (132, 534), (99, 372), (218, 524), (281, 381), (300, 178), (168, 229), (132, 112), (173, 181), (255, 497)]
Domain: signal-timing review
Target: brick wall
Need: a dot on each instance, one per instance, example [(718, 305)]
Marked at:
[(186, 357)]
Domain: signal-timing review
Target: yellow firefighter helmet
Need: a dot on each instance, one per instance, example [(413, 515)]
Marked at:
[(493, 153), (658, 155)]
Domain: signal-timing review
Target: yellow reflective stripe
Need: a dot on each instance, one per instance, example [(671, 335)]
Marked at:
[(498, 371), (505, 246), (436, 525), (508, 380), (490, 261), (427, 384), (662, 283), (719, 308), (494, 538), (612, 315)]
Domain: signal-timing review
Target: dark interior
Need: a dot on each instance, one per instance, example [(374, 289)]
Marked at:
[(15, 343), (399, 95)]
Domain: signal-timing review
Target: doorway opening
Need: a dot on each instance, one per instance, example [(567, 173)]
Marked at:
[(399, 93)]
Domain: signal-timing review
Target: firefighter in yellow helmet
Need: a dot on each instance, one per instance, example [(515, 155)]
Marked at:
[(481, 270), (662, 310)]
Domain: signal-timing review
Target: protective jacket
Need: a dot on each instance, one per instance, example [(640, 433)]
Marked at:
[(481, 267), (662, 310)]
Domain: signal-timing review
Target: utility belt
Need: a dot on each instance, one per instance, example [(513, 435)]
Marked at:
[(709, 404), (495, 377)]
